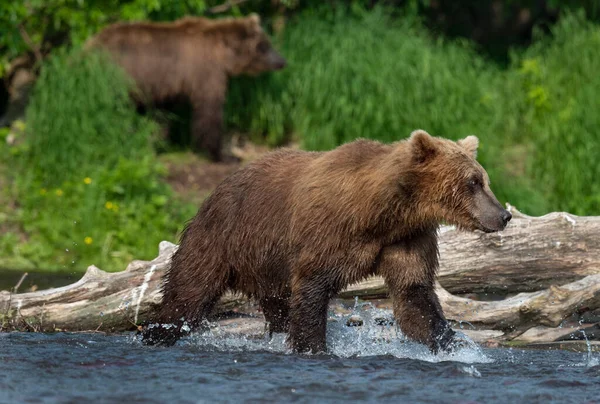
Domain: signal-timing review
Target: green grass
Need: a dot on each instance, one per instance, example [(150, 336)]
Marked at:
[(558, 79), (88, 186), (367, 75), (81, 117)]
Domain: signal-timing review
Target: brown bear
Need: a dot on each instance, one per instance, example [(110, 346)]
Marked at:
[(192, 58), (294, 228)]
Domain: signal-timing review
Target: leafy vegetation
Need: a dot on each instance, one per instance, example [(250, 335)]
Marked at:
[(40, 25), (90, 189), (366, 75), (87, 182), (557, 81)]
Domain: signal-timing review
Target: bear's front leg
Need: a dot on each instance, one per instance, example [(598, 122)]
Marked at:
[(308, 314), (207, 126), (409, 269)]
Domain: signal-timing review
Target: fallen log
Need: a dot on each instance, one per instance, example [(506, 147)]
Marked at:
[(98, 301), (518, 313), (554, 251), (531, 254)]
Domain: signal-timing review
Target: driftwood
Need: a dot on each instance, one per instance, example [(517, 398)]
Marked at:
[(518, 313), (98, 301), (557, 256), (531, 254)]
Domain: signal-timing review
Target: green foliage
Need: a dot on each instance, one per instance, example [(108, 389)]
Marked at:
[(81, 116), (116, 215), (43, 24), (88, 185), (364, 75), (557, 81)]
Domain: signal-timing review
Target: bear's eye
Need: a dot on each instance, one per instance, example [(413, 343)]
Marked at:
[(473, 182), (262, 47)]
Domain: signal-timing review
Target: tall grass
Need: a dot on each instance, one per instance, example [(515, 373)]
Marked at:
[(81, 117), (559, 82), (89, 189), (371, 76), (368, 75)]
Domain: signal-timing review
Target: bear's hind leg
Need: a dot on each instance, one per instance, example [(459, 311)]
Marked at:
[(184, 305), (276, 310), (308, 315)]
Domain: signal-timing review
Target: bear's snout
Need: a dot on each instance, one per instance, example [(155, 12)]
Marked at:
[(506, 216), (489, 214), (276, 61)]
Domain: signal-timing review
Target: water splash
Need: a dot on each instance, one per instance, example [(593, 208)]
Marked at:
[(590, 360), (376, 336), (470, 370)]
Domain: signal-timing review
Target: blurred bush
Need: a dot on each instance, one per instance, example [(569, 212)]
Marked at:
[(88, 185), (361, 74), (41, 25), (81, 117), (38, 26), (558, 86)]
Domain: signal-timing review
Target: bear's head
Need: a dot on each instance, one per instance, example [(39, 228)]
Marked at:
[(250, 50), (450, 185)]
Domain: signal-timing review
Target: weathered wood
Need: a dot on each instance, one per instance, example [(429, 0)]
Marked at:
[(98, 301), (545, 334), (531, 254), (525, 310), (554, 251)]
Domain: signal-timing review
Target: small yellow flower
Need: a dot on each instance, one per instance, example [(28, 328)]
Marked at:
[(108, 205), (43, 191), (19, 125), (88, 240), (58, 192), (87, 180)]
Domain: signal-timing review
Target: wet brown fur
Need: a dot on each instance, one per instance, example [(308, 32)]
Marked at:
[(191, 58), (294, 228)]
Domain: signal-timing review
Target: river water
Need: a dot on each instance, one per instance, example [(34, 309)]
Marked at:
[(365, 364)]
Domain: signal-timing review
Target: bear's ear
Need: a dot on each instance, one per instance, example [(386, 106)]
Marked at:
[(423, 145), (470, 144), (254, 18)]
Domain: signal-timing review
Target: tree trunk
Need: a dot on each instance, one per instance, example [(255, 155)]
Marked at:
[(98, 301), (531, 254), (557, 255)]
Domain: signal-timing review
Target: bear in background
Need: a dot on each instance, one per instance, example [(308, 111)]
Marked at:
[(294, 228), (192, 58)]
